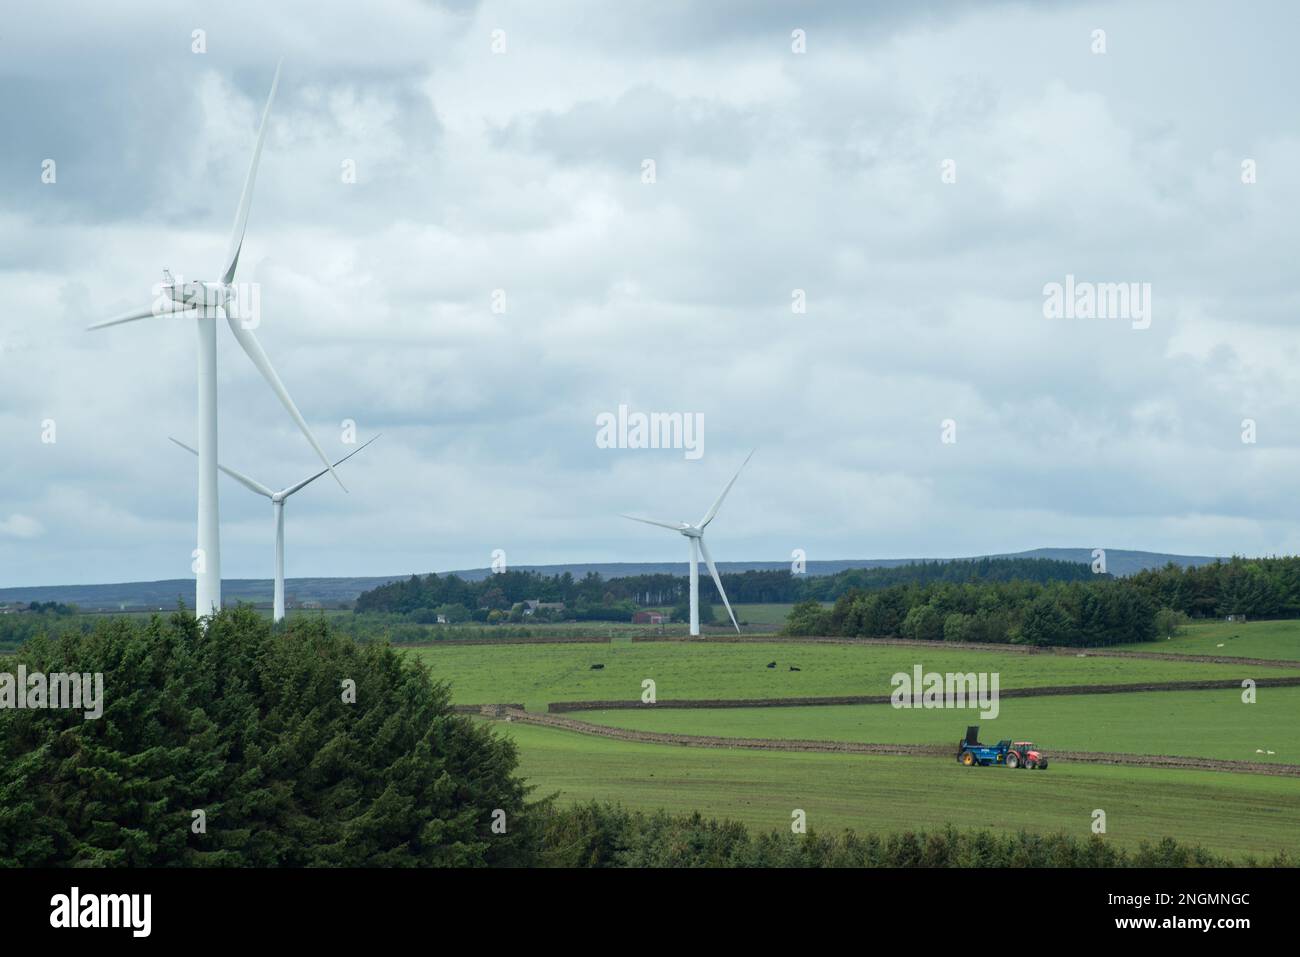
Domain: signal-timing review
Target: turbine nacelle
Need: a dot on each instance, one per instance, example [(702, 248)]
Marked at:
[(196, 294)]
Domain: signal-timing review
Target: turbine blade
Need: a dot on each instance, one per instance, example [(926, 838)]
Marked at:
[(248, 342), (307, 481), (251, 484), (303, 484), (246, 198), (138, 314), (717, 580), (708, 516), (354, 451), (676, 527)]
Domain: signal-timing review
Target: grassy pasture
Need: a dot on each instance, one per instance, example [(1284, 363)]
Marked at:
[(1211, 724), (1252, 639), (537, 674), (1232, 814), (758, 614)]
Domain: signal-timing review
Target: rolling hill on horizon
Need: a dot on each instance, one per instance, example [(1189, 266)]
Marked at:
[(332, 591)]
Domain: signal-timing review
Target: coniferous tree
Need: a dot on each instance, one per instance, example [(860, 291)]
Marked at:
[(299, 747)]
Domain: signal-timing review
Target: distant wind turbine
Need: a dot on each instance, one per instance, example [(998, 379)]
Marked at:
[(695, 534), (277, 504), (207, 302)]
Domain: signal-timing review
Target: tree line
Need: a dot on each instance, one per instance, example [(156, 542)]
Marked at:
[(17, 627), (609, 835), (423, 598), (594, 597), (1075, 613), (1254, 587)]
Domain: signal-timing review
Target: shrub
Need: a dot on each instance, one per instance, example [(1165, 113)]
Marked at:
[(808, 618), (1170, 623)]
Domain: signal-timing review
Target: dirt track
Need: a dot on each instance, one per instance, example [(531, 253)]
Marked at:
[(909, 750)]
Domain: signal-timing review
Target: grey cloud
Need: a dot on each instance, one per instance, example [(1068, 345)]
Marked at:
[(643, 122), (518, 173)]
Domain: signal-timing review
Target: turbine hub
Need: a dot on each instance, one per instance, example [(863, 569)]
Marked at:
[(199, 294)]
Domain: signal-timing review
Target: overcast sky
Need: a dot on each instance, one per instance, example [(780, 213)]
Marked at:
[(523, 171)]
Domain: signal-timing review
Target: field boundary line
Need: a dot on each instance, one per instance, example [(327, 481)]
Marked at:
[(893, 750), (768, 639), (537, 640), (1068, 652), (1047, 691), (487, 710)]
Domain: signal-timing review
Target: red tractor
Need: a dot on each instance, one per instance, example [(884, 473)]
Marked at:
[(1025, 754)]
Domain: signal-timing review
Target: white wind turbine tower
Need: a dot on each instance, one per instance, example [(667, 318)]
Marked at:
[(695, 535), (207, 302), (277, 506)]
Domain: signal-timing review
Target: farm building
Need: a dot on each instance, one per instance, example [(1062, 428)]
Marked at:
[(648, 618)]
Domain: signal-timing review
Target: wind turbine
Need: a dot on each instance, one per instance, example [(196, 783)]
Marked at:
[(695, 535), (277, 505), (207, 302)]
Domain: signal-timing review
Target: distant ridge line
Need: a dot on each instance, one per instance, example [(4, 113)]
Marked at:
[(163, 594)]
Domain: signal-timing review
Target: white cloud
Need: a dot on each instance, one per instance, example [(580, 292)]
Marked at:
[(20, 526), (521, 172)]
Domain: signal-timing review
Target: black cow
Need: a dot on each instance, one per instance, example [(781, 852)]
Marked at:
[(771, 664), (597, 667)]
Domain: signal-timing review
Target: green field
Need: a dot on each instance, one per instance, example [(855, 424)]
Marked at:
[(537, 674), (1255, 639), (760, 614), (1211, 724), (1232, 814), (757, 616), (1235, 814)]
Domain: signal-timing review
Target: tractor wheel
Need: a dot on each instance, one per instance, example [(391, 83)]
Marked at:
[(1013, 759), (1031, 764), (968, 759)]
